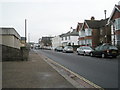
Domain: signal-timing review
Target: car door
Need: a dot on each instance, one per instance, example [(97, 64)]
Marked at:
[(97, 51), (79, 50)]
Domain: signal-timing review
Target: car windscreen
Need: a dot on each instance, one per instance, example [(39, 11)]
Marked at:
[(87, 48), (70, 47), (113, 47)]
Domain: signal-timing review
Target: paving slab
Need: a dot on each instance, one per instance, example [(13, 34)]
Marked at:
[(34, 73)]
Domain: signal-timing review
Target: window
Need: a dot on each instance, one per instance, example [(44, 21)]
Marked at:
[(117, 24), (97, 48), (66, 38), (88, 32), (88, 42), (69, 37), (82, 33), (62, 38)]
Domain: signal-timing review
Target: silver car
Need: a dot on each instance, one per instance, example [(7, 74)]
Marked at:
[(68, 49), (84, 50)]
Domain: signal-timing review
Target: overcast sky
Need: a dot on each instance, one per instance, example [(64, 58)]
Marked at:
[(50, 17)]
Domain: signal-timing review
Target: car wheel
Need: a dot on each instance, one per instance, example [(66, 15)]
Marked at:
[(91, 54), (84, 54), (103, 55)]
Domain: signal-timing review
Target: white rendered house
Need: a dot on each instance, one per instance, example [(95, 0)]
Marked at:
[(56, 41), (70, 38)]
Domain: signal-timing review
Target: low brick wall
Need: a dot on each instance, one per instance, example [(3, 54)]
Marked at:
[(13, 54), (24, 53)]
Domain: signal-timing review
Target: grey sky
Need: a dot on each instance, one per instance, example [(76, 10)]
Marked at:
[(50, 17)]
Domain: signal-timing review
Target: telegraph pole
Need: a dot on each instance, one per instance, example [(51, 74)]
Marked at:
[(25, 30), (28, 37)]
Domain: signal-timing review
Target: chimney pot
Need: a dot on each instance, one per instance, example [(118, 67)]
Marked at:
[(92, 18)]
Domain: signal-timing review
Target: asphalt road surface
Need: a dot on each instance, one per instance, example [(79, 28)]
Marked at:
[(101, 71)]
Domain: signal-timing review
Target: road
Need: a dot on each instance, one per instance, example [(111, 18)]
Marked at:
[(101, 71)]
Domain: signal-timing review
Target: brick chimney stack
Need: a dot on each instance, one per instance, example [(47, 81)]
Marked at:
[(92, 18)]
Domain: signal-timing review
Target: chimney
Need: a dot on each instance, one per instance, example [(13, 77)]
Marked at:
[(92, 18)]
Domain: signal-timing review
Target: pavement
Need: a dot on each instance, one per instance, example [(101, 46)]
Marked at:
[(34, 73)]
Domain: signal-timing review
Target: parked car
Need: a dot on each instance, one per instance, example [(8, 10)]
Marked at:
[(84, 50), (59, 48), (68, 49), (105, 50)]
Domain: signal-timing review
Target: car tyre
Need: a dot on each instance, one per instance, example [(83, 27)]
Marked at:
[(114, 56), (84, 54), (91, 54), (103, 55)]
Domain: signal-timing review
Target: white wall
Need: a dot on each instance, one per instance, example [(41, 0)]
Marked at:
[(56, 41), (74, 39)]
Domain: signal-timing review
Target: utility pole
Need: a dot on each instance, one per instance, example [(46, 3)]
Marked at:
[(25, 30), (105, 26), (28, 37)]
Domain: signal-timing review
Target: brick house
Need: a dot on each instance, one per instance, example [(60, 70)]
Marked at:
[(114, 21), (79, 25), (105, 31), (90, 33)]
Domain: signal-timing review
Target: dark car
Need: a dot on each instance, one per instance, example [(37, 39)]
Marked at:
[(105, 50), (59, 48)]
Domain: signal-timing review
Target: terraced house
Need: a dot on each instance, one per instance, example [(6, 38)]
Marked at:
[(90, 33), (114, 21)]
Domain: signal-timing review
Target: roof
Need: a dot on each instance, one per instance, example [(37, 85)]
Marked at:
[(46, 38), (96, 24), (79, 25), (73, 33), (116, 7), (9, 31)]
